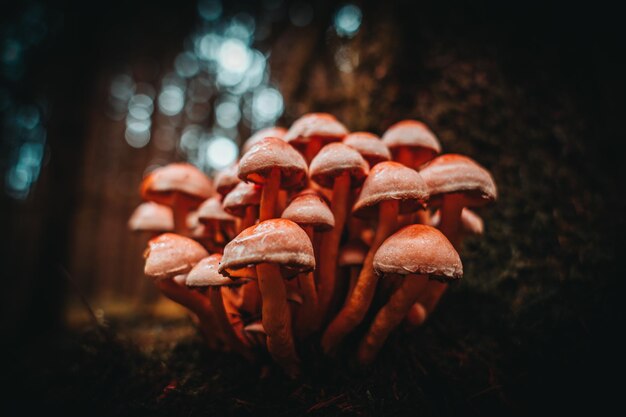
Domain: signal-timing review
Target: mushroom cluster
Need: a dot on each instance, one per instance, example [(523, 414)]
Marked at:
[(313, 232)]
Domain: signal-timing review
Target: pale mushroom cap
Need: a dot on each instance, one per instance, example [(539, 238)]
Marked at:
[(418, 249), (276, 241), (309, 209), (335, 159), (274, 132), (180, 279), (471, 222), (255, 327), (245, 194), (169, 255), (227, 179), (353, 253), (270, 153), (315, 126), (458, 174), (391, 181), (185, 179), (369, 146), (415, 135), (205, 274), (151, 217), (212, 209)]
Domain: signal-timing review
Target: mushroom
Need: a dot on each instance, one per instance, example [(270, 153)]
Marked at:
[(215, 219), (369, 146), (454, 182), (273, 164), (227, 179), (152, 218), (169, 256), (415, 252), (205, 275), (270, 245), (243, 202), (471, 223), (352, 256), (411, 143), (181, 186), (273, 132), (312, 131), (340, 168), (310, 212), (390, 189)]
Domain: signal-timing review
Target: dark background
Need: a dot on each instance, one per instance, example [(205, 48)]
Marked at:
[(532, 91)]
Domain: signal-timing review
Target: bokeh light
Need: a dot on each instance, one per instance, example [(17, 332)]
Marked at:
[(348, 20), (221, 152), (171, 100)]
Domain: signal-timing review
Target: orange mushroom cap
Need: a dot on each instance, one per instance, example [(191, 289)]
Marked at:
[(315, 126), (458, 174), (169, 255), (335, 159), (227, 179), (151, 217), (276, 241), (369, 146), (274, 132), (270, 153), (419, 249), (414, 135), (163, 183), (310, 209), (212, 209), (242, 196), (205, 274), (391, 181)]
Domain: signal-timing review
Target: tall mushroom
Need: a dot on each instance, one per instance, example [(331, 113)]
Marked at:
[(181, 186), (151, 218), (273, 245), (411, 143), (310, 212), (312, 131), (454, 182), (205, 275), (340, 168), (416, 253), (389, 190), (268, 132), (369, 146), (273, 164)]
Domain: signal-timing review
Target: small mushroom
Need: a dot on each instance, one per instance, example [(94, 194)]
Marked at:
[(369, 146), (310, 212), (243, 202), (273, 164), (152, 218), (411, 143), (390, 189), (270, 245), (416, 253), (181, 186), (205, 275), (268, 132), (313, 131), (340, 168), (216, 220), (227, 179)]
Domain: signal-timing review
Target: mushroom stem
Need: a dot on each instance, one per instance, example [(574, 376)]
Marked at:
[(389, 317), (269, 196), (250, 297), (423, 216), (277, 318), (305, 320), (180, 210), (330, 245), (358, 303), (405, 156), (312, 149), (195, 302), (252, 212), (215, 295), (354, 276)]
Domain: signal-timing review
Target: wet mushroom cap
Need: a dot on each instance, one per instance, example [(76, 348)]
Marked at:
[(205, 274), (275, 241), (169, 255), (244, 195), (391, 181), (353, 253), (458, 174), (415, 135), (310, 209), (274, 132), (212, 209), (315, 126), (227, 179), (161, 184), (335, 159), (273, 153), (419, 249), (369, 146), (151, 217)]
